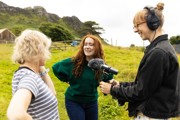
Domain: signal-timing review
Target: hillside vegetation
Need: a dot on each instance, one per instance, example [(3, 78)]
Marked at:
[(58, 29), (126, 60), (17, 19)]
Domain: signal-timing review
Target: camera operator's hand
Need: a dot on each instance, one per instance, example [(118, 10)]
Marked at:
[(114, 82), (105, 87)]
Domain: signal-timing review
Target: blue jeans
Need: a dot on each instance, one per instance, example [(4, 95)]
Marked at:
[(81, 111)]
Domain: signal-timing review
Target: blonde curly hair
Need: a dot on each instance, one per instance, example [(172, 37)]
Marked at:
[(30, 46)]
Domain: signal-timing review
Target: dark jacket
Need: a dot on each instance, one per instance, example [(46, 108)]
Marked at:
[(156, 89)]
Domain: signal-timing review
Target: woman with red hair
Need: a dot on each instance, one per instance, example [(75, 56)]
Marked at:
[(81, 95)]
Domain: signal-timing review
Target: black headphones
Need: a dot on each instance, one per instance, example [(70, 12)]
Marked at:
[(152, 19)]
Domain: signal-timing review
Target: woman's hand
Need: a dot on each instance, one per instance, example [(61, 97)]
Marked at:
[(47, 79)]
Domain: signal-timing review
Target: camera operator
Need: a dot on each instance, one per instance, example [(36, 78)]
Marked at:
[(154, 95)]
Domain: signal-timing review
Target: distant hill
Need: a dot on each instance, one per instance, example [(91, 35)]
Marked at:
[(17, 19), (28, 12)]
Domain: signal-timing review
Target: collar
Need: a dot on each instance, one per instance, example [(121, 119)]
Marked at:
[(21, 67), (156, 41)]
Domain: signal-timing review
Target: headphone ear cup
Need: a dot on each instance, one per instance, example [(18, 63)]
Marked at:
[(153, 21)]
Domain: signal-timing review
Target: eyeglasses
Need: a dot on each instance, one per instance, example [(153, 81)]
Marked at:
[(137, 25)]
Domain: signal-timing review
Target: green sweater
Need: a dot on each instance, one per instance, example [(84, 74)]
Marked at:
[(82, 89)]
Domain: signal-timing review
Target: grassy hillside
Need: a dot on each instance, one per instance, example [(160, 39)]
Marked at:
[(126, 60), (20, 20)]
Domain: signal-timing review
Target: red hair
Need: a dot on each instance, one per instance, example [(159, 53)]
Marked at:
[(80, 58)]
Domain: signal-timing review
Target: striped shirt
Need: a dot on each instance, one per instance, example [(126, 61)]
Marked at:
[(44, 105)]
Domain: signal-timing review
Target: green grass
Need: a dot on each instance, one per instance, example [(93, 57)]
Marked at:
[(126, 60)]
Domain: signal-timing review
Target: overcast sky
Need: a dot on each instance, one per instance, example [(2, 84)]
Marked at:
[(115, 16)]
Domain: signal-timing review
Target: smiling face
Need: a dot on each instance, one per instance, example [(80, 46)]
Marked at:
[(140, 25), (143, 30), (89, 48)]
